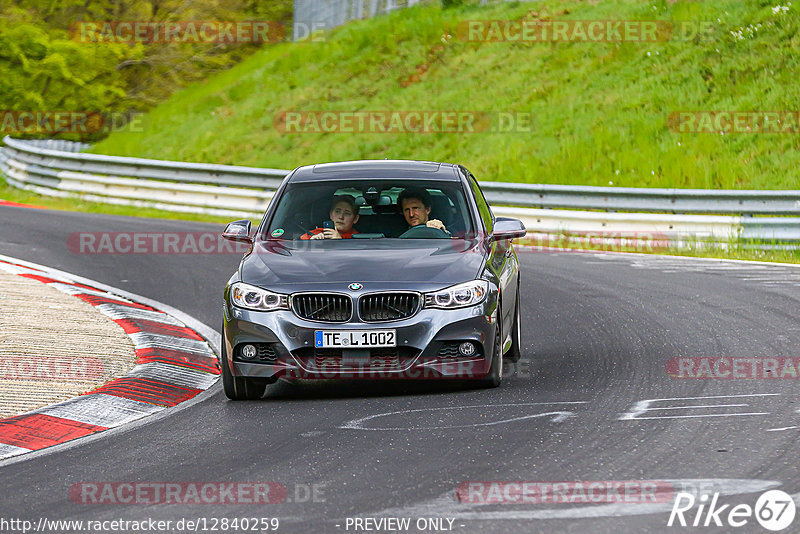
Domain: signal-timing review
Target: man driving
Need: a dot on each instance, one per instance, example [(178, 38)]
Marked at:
[(415, 203)]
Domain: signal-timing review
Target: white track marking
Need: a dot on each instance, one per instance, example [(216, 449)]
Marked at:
[(557, 416), (174, 374), (646, 405), (101, 410), (115, 311), (762, 273), (702, 415), (75, 290), (143, 340), (697, 406), (7, 451), (16, 269)]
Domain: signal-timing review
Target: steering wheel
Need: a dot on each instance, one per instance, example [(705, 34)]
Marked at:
[(421, 231)]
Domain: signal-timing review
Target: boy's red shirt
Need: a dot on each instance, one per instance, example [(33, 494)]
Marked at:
[(315, 231)]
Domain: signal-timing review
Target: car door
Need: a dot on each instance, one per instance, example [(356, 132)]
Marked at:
[(502, 259)]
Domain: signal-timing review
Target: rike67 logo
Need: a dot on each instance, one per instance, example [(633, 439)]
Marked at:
[(774, 510)]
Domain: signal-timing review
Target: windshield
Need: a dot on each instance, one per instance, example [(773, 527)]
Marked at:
[(371, 209)]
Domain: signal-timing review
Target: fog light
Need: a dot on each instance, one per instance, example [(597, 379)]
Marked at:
[(466, 348), (249, 352)]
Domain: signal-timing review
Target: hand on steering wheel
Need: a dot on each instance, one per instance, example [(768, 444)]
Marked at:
[(422, 231)]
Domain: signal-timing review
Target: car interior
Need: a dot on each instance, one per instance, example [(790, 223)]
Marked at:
[(303, 208)]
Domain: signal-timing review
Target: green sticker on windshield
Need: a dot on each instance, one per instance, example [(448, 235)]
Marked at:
[(277, 232)]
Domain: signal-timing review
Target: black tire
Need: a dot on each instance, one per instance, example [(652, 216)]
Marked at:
[(236, 387), (515, 352), (495, 376)]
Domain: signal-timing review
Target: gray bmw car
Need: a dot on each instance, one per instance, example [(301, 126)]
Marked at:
[(372, 269)]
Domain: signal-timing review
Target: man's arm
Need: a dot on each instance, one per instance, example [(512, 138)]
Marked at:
[(436, 223)]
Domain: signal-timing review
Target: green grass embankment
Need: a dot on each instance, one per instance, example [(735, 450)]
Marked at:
[(599, 109)]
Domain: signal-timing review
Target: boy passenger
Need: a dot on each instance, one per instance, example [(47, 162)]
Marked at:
[(344, 214)]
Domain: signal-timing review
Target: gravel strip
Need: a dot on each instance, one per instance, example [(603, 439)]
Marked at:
[(53, 346)]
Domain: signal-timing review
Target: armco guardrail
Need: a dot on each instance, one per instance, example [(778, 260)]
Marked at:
[(224, 190), (772, 202), (59, 168)]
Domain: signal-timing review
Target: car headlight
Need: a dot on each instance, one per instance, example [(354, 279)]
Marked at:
[(458, 296), (254, 298)]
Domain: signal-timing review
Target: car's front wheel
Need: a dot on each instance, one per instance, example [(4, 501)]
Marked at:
[(515, 352), (238, 387)]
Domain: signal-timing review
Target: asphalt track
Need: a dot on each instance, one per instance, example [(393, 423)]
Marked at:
[(598, 331)]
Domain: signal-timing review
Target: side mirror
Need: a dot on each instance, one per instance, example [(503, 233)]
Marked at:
[(238, 231), (507, 228)]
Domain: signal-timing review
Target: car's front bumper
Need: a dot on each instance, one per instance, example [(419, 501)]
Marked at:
[(420, 340)]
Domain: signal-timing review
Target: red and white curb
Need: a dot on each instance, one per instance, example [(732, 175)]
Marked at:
[(173, 364), (18, 205)]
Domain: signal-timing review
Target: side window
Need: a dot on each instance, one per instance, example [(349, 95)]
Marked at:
[(483, 206)]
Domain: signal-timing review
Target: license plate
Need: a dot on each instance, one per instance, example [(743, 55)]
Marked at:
[(327, 339)]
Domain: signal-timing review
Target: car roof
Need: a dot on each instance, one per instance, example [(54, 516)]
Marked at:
[(376, 168)]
